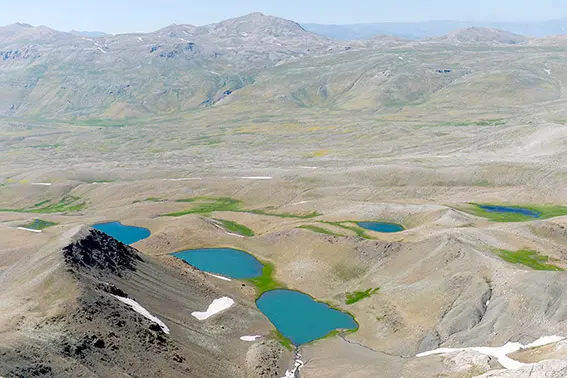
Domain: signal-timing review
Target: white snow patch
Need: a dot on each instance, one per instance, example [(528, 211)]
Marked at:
[(298, 365), (301, 202), (501, 353), (544, 341), (184, 179), (217, 306), (140, 39), (29, 229), (257, 178), (219, 277), (142, 311), (250, 338), (231, 234), (41, 183), (101, 50)]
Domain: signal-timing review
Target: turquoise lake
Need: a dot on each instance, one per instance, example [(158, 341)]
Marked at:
[(300, 318), (125, 234), (381, 227), (228, 262), (513, 210)]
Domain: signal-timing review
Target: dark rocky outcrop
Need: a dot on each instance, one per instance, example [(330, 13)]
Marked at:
[(101, 252)]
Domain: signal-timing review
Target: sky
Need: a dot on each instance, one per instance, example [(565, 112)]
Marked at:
[(120, 16)]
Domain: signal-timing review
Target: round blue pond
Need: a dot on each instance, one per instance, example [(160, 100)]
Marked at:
[(513, 210), (381, 227), (125, 234), (228, 262), (300, 318)]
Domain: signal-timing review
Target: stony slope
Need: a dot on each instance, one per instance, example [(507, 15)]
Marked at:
[(94, 334)]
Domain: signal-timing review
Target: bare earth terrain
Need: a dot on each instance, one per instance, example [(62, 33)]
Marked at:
[(304, 136)]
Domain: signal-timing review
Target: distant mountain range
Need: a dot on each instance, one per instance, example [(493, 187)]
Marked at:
[(258, 59), (89, 34), (413, 30), (430, 29)]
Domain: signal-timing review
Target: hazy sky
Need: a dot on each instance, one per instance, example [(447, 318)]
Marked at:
[(116, 16)]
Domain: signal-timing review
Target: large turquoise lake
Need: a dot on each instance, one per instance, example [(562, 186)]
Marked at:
[(512, 210), (228, 262), (125, 234), (381, 227), (300, 318)]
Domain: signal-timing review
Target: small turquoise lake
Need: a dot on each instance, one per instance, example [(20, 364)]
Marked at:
[(381, 227), (228, 262), (300, 318), (122, 233), (513, 210)]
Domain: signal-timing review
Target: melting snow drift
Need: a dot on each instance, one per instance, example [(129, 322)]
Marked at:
[(29, 229), (219, 277), (250, 338), (501, 353), (142, 311), (217, 306)]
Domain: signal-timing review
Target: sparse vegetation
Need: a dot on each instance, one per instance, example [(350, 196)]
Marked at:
[(235, 227), (357, 230), (348, 272), (545, 211), (41, 203), (284, 341), (527, 258), (342, 332), (208, 205), (67, 204), (319, 230), (313, 214), (357, 296), (39, 224), (265, 282), (319, 153), (482, 122)]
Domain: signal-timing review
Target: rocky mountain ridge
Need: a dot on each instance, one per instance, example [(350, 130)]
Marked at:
[(97, 335)]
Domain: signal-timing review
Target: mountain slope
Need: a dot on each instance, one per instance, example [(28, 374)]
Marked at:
[(24, 33), (482, 35), (180, 67), (81, 329), (257, 59)]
